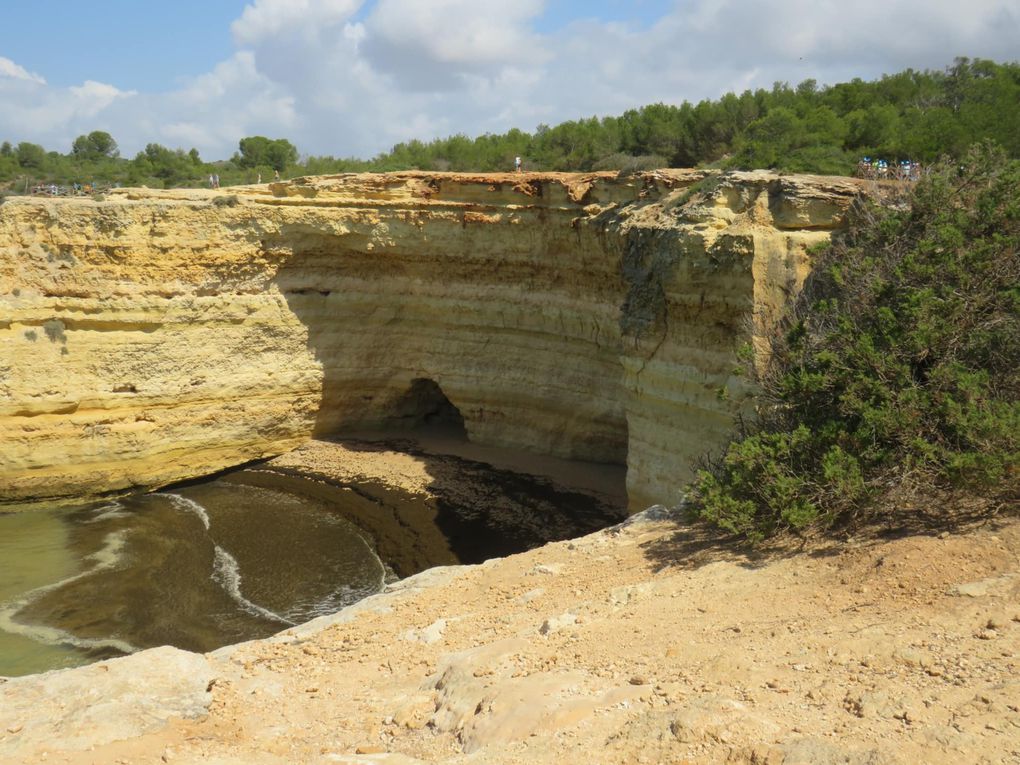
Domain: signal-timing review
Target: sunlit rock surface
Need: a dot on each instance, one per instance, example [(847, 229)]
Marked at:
[(154, 336)]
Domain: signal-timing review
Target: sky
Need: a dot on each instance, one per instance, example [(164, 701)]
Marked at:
[(354, 77)]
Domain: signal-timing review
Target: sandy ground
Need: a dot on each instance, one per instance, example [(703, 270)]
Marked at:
[(646, 643), (345, 461)]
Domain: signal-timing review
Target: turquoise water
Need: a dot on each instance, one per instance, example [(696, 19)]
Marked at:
[(199, 567)]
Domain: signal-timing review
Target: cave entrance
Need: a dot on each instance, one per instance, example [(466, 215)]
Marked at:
[(425, 406)]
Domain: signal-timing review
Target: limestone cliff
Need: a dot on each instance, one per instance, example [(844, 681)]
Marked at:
[(154, 336)]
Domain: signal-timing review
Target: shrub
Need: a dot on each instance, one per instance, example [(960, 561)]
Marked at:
[(898, 369)]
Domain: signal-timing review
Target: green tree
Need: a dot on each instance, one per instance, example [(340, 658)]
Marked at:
[(171, 166), (874, 129), (769, 139), (259, 150), (96, 145), (30, 155)]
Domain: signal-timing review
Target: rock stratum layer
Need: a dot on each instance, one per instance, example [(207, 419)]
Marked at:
[(155, 336)]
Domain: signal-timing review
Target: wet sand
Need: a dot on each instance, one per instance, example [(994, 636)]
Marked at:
[(431, 499)]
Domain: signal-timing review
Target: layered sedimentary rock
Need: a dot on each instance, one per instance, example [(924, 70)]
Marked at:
[(155, 336)]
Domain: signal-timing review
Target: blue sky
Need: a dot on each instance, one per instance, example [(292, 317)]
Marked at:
[(134, 44), (140, 45), (353, 77), (560, 13)]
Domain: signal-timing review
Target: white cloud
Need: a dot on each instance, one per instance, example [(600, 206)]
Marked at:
[(348, 78), (12, 71), (91, 97), (430, 45), (266, 19), (31, 110)]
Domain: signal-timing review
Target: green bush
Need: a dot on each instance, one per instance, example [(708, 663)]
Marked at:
[(898, 370)]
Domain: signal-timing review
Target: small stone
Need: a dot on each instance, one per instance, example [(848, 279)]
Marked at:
[(987, 635), (639, 680), (370, 749), (556, 623), (531, 595), (15, 729), (548, 568), (972, 589)]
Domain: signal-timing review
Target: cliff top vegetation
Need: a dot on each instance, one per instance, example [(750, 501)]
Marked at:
[(893, 389), (916, 115)]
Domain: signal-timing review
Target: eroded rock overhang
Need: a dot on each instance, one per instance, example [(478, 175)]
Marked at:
[(160, 335)]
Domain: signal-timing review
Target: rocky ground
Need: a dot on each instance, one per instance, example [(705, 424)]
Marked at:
[(645, 643)]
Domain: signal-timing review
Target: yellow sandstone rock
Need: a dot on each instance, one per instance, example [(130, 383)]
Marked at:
[(160, 335)]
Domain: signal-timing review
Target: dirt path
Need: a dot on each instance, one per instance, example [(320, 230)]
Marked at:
[(643, 644)]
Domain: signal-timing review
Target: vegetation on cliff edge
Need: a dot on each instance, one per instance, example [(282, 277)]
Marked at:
[(896, 378), (916, 115)]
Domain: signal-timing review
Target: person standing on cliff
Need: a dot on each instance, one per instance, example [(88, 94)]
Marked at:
[(517, 164), (276, 176)]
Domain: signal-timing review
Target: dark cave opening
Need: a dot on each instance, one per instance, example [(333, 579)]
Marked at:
[(424, 405)]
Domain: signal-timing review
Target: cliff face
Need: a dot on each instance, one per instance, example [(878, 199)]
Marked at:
[(155, 336)]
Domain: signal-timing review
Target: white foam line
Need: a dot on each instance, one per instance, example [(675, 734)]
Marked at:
[(112, 510), (226, 571), (189, 505), (328, 605), (54, 636), (227, 574), (106, 557), (378, 560)]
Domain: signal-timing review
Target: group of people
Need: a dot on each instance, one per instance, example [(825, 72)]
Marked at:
[(75, 189), (881, 170), (214, 181)]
